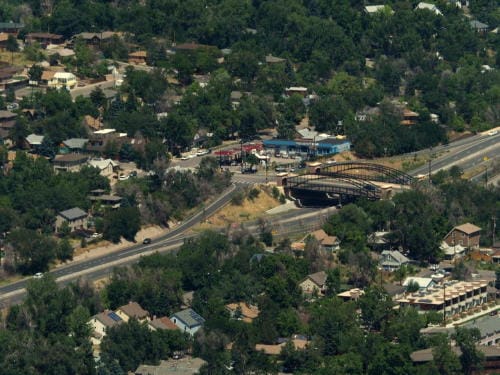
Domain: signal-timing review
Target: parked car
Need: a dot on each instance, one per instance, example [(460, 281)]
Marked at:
[(123, 177), (146, 241), (38, 275), (133, 174), (248, 170)]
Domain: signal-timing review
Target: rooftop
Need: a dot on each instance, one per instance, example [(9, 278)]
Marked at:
[(163, 323), (182, 366), (70, 158), (189, 317), (108, 318), (73, 214), (468, 228), (319, 278), (134, 310)]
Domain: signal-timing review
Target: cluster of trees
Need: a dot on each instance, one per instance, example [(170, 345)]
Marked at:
[(418, 219)]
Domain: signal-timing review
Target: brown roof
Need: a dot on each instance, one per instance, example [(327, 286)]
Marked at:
[(163, 323), (319, 278), (4, 115), (47, 75), (324, 238), (4, 37), (106, 320), (138, 54), (70, 157), (134, 310), (44, 36), (191, 46), (468, 228)]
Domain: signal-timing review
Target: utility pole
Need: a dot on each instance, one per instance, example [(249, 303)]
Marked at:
[(444, 305), (494, 219), (430, 170)]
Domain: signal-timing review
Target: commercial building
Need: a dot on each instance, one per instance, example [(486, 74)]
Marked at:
[(303, 147), (451, 298)]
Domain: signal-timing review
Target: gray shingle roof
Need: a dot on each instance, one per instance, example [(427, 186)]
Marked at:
[(189, 317), (73, 214), (75, 142)]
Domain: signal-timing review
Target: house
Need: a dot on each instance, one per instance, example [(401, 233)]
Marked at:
[(69, 162), (4, 37), (479, 27), (491, 357), (161, 323), (106, 200), (101, 322), (11, 28), (138, 57), (391, 260), (76, 218), (422, 282), (467, 235), (99, 139), (302, 91), (372, 9), (7, 120), (243, 311), (409, 117), (188, 321), (96, 38), (351, 294), (132, 310), (44, 39), (74, 145), (452, 252), (63, 80), (106, 166), (34, 141), (430, 7), (8, 78), (377, 240), (314, 283), (395, 291), (327, 243), (180, 366)]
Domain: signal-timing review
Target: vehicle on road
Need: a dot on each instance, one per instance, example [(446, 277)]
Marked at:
[(248, 170), (202, 152), (38, 275), (493, 132), (146, 241)]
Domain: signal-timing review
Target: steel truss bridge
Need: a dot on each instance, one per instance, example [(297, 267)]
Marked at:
[(345, 181)]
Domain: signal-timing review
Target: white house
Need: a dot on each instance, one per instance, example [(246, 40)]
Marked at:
[(423, 282), (64, 80), (105, 166), (188, 321), (392, 260), (430, 7)]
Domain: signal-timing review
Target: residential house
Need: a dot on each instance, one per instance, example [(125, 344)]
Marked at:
[(451, 298), (137, 57), (163, 323), (372, 9), (188, 321), (47, 76), (391, 260), (479, 27), (75, 218), (106, 200), (101, 322), (491, 355), (106, 166), (96, 38), (34, 141), (7, 122), (132, 310), (302, 91), (69, 162), (423, 282), (243, 311), (452, 252), (314, 283), (467, 235), (409, 117), (75, 145), (44, 39), (326, 242), (9, 79), (99, 139), (4, 37), (377, 240), (63, 80), (11, 28), (395, 291), (351, 294), (429, 7), (179, 366)]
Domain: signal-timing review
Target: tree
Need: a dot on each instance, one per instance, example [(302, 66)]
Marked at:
[(33, 251), (35, 73), (124, 222), (64, 250), (444, 359), (471, 358), (98, 98), (12, 46), (376, 307)]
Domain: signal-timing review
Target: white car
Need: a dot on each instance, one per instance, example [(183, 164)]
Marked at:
[(38, 275), (123, 177), (185, 157), (493, 132), (202, 152)]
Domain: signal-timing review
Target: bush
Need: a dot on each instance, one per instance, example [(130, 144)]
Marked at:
[(238, 198), (253, 193), (275, 192)]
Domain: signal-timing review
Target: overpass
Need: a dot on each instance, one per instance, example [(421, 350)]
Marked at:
[(344, 182)]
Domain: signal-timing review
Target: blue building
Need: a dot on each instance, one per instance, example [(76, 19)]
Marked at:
[(302, 147)]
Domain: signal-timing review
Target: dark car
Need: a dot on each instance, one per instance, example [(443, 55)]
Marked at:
[(133, 174), (146, 241), (248, 170), (370, 187)]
